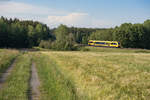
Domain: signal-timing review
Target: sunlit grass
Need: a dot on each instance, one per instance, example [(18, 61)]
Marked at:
[(106, 76), (121, 50), (101, 74), (54, 84), (6, 58), (17, 85)]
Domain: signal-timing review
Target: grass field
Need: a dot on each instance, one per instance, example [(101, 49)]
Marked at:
[(97, 74), (6, 58), (106, 76), (121, 50), (16, 86)]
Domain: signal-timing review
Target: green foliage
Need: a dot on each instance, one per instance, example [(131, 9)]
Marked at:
[(131, 35), (81, 34), (17, 84), (146, 36), (123, 33), (105, 35), (61, 32), (54, 84), (64, 39), (6, 58), (104, 75), (26, 34), (22, 34), (46, 44)]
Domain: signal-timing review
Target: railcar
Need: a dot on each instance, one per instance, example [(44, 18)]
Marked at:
[(98, 43)]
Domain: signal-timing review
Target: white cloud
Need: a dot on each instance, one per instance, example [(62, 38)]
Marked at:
[(78, 20), (49, 16), (23, 8), (71, 19)]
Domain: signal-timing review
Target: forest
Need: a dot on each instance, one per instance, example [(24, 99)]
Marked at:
[(15, 33)]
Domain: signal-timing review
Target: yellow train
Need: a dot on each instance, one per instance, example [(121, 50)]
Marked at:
[(98, 43)]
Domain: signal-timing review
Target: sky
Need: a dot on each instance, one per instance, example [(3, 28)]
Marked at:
[(78, 13)]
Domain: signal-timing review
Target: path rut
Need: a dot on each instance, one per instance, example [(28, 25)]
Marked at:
[(5, 75), (34, 83)]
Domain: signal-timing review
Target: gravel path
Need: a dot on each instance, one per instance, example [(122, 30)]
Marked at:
[(5, 75), (34, 83)]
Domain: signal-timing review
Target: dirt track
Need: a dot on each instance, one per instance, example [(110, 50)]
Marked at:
[(6, 74), (34, 83)]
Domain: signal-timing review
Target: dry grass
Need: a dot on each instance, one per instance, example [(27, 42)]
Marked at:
[(112, 74), (121, 50), (6, 57), (17, 86), (106, 76), (54, 84)]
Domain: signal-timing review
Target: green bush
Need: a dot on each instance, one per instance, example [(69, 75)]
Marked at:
[(64, 40), (64, 45), (45, 44)]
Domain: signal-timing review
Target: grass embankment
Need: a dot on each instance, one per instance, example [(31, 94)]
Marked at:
[(17, 85), (54, 84), (101, 76), (6, 58), (111, 50)]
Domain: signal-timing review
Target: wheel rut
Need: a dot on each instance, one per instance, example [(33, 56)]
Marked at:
[(5, 75), (34, 83)]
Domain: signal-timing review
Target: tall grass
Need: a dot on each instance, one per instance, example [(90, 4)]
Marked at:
[(17, 85), (106, 76), (6, 58), (54, 84), (101, 74), (111, 50)]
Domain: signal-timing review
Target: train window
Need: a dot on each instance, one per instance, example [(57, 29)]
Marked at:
[(90, 42), (99, 42), (113, 43)]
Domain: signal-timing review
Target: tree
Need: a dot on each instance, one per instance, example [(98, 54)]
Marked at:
[(132, 35), (17, 36), (64, 39), (137, 35), (3, 33), (122, 34), (104, 35), (22, 34), (146, 37)]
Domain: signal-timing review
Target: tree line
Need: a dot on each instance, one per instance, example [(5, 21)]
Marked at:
[(22, 34), (130, 35), (15, 33)]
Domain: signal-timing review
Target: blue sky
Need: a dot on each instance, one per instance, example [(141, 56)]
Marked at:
[(79, 13)]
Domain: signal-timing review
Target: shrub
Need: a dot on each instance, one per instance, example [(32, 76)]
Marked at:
[(45, 44)]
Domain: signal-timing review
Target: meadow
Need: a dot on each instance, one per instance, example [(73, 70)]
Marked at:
[(6, 57), (17, 86), (96, 74)]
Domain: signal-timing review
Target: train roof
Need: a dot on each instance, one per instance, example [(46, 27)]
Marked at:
[(102, 41)]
